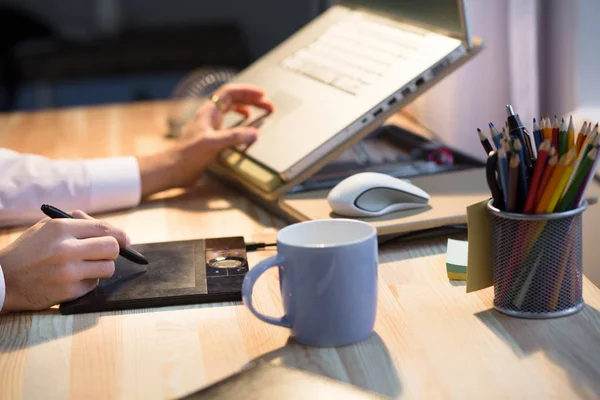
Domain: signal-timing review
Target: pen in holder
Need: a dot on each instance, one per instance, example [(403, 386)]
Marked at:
[(537, 263)]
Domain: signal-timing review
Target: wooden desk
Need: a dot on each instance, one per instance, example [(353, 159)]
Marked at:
[(432, 340)]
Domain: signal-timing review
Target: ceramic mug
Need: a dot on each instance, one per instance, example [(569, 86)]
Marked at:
[(328, 281)]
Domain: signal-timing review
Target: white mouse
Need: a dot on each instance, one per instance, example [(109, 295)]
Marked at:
[(370, 194)]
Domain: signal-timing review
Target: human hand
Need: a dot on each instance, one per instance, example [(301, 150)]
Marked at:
[(58, 260), (203, 139)]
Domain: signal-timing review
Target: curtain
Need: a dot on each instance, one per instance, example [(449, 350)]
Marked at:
[(533, 59)]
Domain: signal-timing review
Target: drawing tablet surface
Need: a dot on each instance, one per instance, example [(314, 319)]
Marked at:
[(184, 272)]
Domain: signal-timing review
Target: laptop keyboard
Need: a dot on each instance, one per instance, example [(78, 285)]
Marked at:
[(355, 52)]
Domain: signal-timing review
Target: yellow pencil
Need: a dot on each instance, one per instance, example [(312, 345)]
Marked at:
[(542, 206), (568, 160), (548, 129)]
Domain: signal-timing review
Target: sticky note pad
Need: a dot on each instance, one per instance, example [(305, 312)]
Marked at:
[(456, 259)]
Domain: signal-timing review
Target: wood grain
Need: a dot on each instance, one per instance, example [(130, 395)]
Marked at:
[(432, 339)]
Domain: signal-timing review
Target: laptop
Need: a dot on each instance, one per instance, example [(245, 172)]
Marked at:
[(338, 78)]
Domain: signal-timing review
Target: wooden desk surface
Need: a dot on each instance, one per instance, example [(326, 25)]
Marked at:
[(432, 340)]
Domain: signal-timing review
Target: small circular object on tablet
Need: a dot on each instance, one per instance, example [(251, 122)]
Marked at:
[(227, 262)]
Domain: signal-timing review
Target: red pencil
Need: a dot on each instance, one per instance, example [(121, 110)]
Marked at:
[(538, 171), (555, 129), (546, 177)]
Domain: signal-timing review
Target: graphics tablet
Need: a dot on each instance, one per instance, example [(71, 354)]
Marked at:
[(184, 272)]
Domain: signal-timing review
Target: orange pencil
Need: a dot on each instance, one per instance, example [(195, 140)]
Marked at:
[(538, 171), (581, 136), (570, 134), (546, 177), (547, 128), (562, 182), (550, 188)]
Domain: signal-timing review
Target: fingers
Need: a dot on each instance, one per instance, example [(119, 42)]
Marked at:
[(95, 248), (242, 135), (241, 109), (78, 214), (238, 94), (88, 227), (79, 289), (94, 270)]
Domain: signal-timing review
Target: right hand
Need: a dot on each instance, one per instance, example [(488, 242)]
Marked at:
[(58, 260)]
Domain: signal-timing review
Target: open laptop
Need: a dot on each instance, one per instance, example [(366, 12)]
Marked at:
[(340, 76)]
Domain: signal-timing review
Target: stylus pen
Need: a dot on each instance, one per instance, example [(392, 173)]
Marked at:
[(129, 254)]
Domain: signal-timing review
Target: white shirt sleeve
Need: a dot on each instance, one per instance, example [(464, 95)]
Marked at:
[(28, 181)]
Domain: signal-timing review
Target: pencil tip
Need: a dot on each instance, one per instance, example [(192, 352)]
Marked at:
[(478, 130), (534, 120)]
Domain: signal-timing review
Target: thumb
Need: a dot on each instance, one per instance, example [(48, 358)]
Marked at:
[(233, 137)]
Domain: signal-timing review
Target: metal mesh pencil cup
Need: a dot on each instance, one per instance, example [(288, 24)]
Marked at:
[(537, 263)]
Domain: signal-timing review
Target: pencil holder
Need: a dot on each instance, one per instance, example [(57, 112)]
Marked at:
[(537, 262)]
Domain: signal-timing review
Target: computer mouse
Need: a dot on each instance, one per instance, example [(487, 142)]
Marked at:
[(370, 194)]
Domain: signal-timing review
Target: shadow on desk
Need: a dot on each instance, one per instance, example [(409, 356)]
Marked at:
[(366, 364), (20, 331), (572, 343)]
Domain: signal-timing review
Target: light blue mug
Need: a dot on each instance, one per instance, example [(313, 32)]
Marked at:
[(328, 281)]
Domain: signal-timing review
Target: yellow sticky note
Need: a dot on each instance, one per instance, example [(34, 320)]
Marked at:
[(479, 263)]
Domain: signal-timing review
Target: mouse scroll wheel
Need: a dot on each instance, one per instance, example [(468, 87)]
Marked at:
[(377, 199)]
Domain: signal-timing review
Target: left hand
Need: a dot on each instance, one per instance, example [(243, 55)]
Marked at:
[(203, 139)]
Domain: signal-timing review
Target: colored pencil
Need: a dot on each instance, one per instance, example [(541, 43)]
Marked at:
[(503, 172), (547, 131), (540, 165), (484, 142), (506, 147), (546, 176), (581, 136), (495, 135), (589, 142), (555, 130), (550, 188), (513, 184), (537, 135), (570, 134), (568, 161), (523, 185), (563, 145), (568, 198), (589, 177)]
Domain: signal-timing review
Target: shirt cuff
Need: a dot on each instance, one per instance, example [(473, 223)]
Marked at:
[(114, 183), (2, 289)]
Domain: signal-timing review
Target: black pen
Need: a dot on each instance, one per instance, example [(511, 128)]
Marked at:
[(129, 254), (518, 131)]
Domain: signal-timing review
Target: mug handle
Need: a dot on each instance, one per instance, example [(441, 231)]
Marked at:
[(248, 285)]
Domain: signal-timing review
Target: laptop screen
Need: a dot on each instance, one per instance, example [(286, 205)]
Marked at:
[(443, 14)]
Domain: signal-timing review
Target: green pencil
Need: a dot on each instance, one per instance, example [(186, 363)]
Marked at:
[(563, 139), (568, 198)]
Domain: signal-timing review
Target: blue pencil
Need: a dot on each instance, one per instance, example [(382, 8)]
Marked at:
[(503, 172), (496, 137), (523, 185)]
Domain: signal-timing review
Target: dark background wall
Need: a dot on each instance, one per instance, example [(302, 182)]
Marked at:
[(56, 53)]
